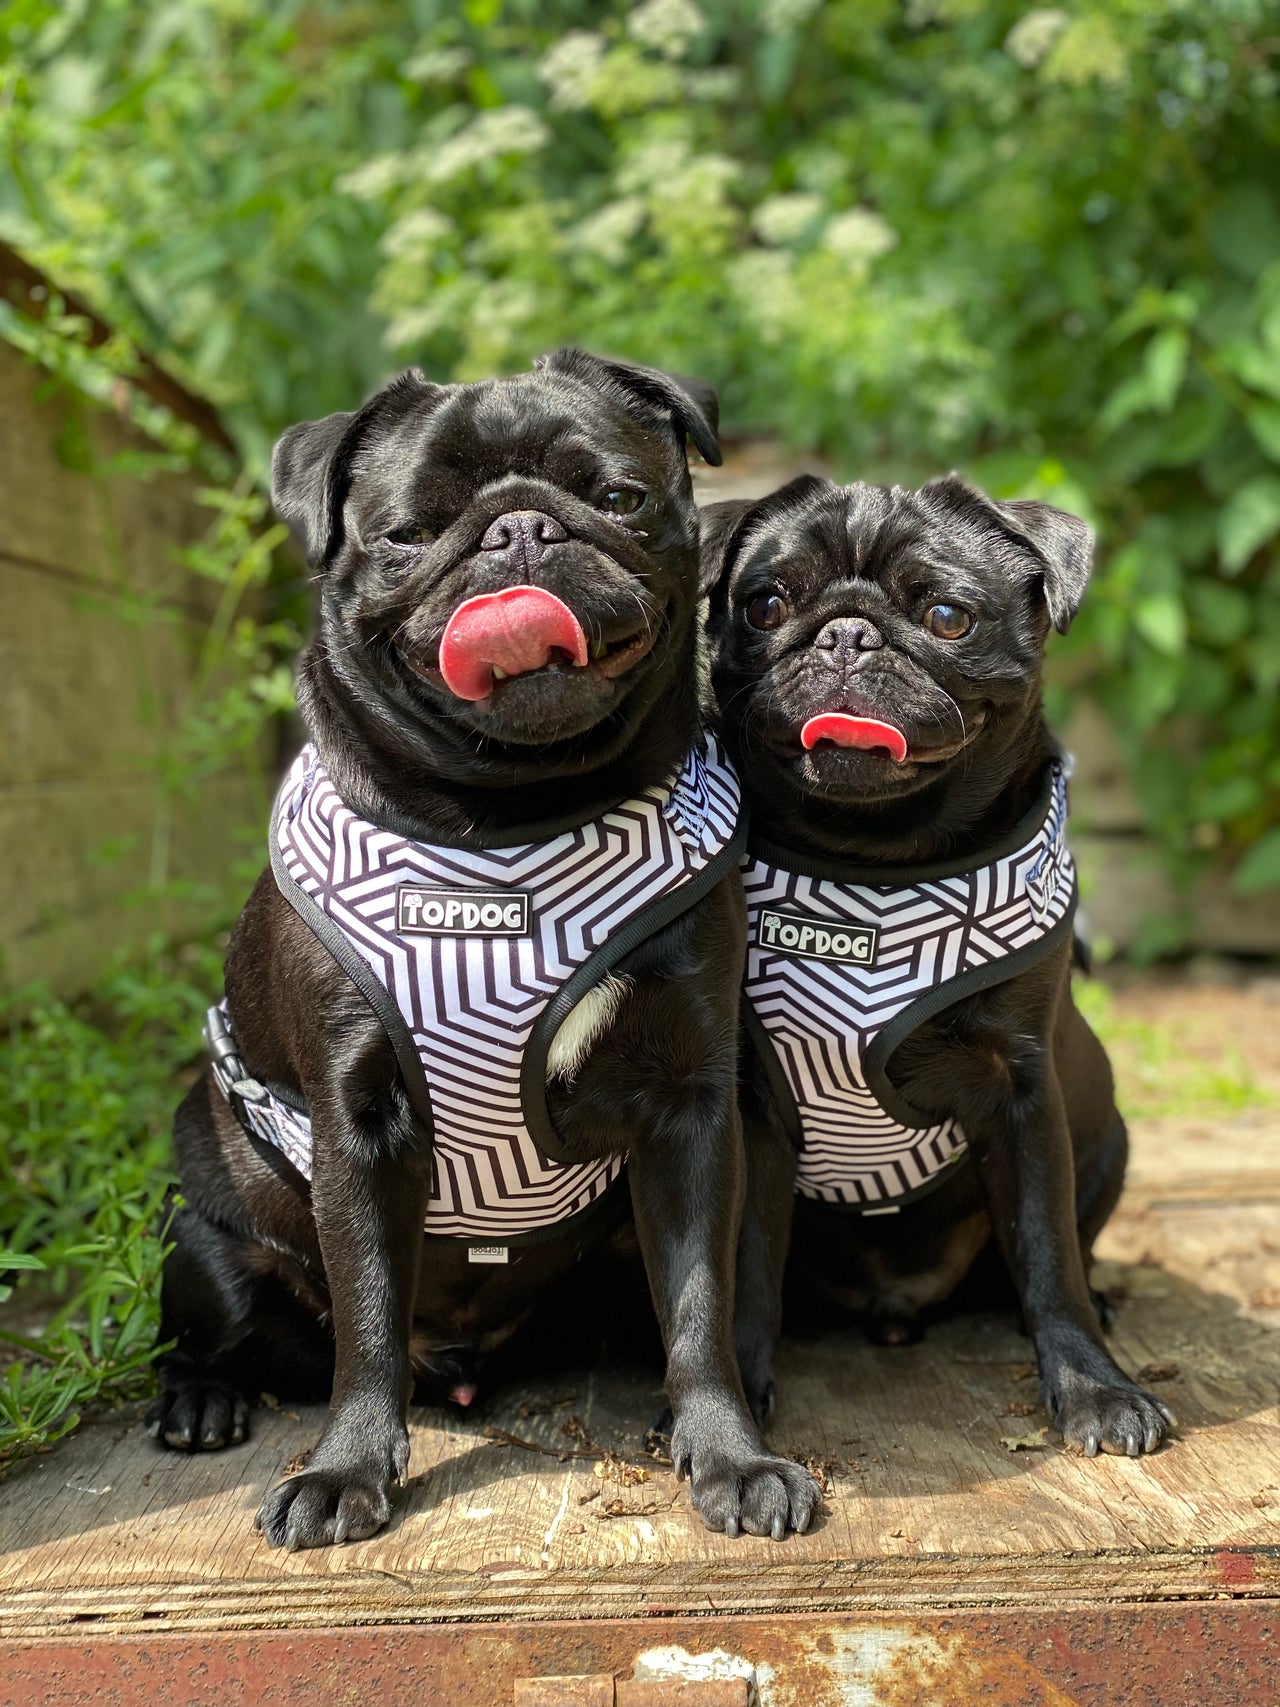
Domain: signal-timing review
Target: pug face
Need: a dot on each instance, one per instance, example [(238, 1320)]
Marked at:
[(867, 641), (514, 560)]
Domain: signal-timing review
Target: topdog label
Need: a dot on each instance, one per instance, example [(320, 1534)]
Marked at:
[(818, 939), (462, 912)]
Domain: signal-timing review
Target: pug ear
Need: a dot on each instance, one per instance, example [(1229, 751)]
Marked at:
[(1062, 542), (716, 525), (690, 405), (301, 480), (1065, 545), (311, 465)]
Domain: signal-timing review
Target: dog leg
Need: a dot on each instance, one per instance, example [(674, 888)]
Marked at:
[(369, 1189), (1023, 1152), (206, 1300), (683, 1167), (762, 1258)]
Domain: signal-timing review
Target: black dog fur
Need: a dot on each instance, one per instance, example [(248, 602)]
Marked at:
[(274, 1282), (1017, 1064)]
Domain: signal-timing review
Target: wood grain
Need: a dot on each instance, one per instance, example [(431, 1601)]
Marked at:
[(927, 1508)]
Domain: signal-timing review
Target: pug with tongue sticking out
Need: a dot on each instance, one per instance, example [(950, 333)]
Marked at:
[(482, 1008), (914, 1058)]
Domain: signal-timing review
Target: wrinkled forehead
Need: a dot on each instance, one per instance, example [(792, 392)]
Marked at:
[(858, 533), (549, 426)]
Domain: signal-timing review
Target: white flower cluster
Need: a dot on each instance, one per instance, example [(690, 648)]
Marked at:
[(669, 26), (777, 16), (366, 183), (570, 68), (1034, 34), (859, 235), (780, 220), (501, 130), (610, 230), (417, 233), (436, 65)]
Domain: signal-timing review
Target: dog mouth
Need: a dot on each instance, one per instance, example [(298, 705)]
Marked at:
[(870, 737), (496, 640)]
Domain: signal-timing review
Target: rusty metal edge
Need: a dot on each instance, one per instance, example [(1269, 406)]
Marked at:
[(1202, 1654)]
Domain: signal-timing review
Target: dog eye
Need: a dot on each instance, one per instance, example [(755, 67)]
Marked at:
[(622, 501), (947, 622), (767, 611), (413, 534)]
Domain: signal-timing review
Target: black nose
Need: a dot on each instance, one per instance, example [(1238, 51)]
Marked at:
[(850, 634), (523, 536)]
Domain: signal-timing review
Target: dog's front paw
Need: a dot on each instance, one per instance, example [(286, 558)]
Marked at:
[(199, 1414), (741, 1487), (321, 1508), (1108, 1416)]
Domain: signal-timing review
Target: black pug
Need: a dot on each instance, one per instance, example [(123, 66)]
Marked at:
[(876, 658), (498, 950)]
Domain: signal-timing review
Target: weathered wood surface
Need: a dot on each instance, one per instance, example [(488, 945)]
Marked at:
[(927, 1507), (99, 630)]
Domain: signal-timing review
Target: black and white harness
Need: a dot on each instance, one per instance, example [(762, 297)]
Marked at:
[(842, 966), (472, 961)]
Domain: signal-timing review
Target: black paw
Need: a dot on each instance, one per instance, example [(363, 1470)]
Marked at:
[(321, 1508), (1108, 1416), (201, 1414), (742, 1487)]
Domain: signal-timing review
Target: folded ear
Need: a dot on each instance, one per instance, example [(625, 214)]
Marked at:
[(716, 525), (301, 480), (311, 465), (690, 405), (1062, 542)]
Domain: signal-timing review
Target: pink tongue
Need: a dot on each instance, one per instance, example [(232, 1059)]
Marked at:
[(848, 731), (515, 631)]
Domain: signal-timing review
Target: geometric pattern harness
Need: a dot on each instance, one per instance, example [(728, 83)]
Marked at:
[(842, 965), (473, 958)]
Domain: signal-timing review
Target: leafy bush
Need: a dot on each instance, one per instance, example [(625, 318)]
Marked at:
[(1039, 244), (87, 1093)]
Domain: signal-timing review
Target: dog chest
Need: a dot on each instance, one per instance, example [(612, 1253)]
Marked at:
[(840, 968)]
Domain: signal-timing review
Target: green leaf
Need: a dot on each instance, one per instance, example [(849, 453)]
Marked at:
[(1161, 620), (1222, 614), (1264, 423), (1164, 363), (1260, 867), (1251, 517)]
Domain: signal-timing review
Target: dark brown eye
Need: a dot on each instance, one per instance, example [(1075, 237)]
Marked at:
[(413, 534), (767, 611), (622, 501), (947, 622)]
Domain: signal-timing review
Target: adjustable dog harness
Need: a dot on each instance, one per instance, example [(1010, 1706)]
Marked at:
[(471, 961), (842, 966)]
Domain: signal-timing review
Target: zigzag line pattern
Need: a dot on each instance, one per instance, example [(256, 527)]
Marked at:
[(471, 1003), (822, 1015)]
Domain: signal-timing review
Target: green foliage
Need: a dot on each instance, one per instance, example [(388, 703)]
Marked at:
[(1165, 1070), (1042, 244), (87, 1093)]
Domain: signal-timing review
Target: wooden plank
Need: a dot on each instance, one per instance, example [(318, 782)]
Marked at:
[(927, 1507)]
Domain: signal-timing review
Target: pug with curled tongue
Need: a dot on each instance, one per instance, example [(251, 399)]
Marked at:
[(483, 1004), (914, 1055)]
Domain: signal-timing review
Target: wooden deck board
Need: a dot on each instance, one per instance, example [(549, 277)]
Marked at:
[(928, 1508)]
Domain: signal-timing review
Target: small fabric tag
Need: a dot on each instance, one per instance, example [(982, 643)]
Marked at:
[(462, 912), (817, 939), (487, 1253)]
